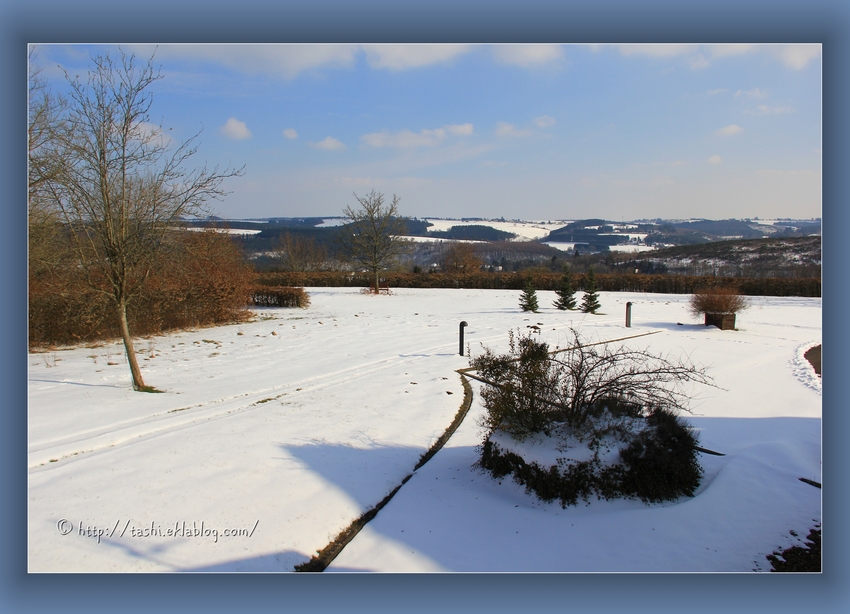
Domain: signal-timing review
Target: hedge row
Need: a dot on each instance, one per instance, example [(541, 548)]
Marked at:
[(201, 280), (547, 280), (279, 296)]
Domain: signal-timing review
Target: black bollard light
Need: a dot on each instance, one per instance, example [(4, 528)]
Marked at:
[(462, 324), (628, 315)]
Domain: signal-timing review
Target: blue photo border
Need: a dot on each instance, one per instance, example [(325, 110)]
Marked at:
[(22, 22)]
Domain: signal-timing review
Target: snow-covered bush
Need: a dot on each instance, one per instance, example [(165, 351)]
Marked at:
[(597, 397)]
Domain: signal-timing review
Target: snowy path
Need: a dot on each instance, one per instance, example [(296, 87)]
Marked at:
[(290, 436)]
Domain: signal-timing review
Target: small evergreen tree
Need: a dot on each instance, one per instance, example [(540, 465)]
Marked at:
[(566, 292), (590, 300), (528, 299)]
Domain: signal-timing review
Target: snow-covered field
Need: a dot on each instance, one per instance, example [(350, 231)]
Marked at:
[(270, 437), (525, 231)]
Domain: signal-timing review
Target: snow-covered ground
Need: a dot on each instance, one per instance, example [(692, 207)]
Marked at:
[(271, 437), (524, 231), (631, 248), (231, 231)]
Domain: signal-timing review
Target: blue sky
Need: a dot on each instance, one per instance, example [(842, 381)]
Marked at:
[(521, 131)]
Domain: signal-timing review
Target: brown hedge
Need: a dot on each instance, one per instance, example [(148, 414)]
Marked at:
[(200, 280), (547, 280)]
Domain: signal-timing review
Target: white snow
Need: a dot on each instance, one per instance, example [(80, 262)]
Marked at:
[(230, 231), (283, 439), (438, 240), (525, 231), (631, 248)]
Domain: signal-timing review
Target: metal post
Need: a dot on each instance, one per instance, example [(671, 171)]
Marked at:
[(628, 315), (462, 324)]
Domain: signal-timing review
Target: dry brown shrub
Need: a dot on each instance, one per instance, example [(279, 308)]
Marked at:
[(717, 300), (201, 279)]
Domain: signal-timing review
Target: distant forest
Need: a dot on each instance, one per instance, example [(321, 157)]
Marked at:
[(791, 249)]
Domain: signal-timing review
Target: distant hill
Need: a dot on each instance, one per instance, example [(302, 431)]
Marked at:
[(766, 257), (473, 232), (598, 234), (723, 228)]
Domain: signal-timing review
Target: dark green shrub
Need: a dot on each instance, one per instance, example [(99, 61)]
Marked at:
[(590, 300), (268, 296), (599, 395), (661, 463), (520, 403), (566, 292), (528, 298)]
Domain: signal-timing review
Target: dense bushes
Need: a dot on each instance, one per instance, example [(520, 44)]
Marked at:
[(201, 279), (280, 296), (594, 397), (658, 465), (543, 279)]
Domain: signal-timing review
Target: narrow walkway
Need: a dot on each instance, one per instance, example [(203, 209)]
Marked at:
[(327, 554)]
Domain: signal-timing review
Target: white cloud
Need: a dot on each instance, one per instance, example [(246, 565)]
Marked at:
[(460, 129), (763, 109), (544, 121), (328, 143), (729, 130), (715, 159), (727, 50), (699, 57), (506, 129), (235, 129), (699, 61), (527, 55), (405, 139), (796, 57), (282, 60), (401, 57), (753, 93), (656, 51), (720, 90), (153, 134), (290, 133)]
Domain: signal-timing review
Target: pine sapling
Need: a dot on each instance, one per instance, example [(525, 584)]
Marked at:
[(590, 300), (566, 292), (528, 298)]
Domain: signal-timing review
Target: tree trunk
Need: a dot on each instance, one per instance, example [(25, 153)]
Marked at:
[(138, 382), (377, 281)]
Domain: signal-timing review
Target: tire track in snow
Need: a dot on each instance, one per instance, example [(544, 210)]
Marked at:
[(46, 453)]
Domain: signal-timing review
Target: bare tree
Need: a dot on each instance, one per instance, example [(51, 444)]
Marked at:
[(372, 236), (45, 124), (299, 254), (461, 258), (119, 185)]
